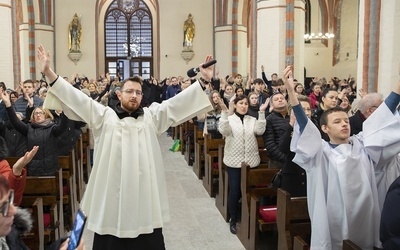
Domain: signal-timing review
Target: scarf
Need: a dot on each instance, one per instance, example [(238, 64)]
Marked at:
[(46, 122)]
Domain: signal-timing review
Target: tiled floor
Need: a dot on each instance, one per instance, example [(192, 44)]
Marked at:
[(195, 221)]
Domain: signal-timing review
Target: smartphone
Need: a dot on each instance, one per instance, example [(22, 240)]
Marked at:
[(77, 231)]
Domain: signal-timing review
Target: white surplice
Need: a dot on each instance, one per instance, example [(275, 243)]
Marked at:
[(127, 193), (342, 192)]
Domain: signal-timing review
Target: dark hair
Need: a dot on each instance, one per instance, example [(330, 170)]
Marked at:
[(3, 85), (237, 88), (239, 98), (28, 81), (131, 79), (258, 81), (3, 149), (323, 120)]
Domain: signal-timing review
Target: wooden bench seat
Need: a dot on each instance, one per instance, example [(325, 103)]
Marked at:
[(293, 220), (256, 182), (198, 165), (211, 156), (49, 188), (221, 198), (189, 145), (35, 238)]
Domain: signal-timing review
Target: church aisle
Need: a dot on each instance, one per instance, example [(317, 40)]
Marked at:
[(195, 221)]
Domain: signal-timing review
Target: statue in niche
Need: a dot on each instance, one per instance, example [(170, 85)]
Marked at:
[(188, 33), (74, 34)]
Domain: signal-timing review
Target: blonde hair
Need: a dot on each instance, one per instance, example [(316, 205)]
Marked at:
[(47, 114)]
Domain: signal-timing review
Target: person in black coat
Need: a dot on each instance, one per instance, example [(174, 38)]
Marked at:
[(274, 130), (368, 104), (293, 177), (15, 141), (390, 219), (42, 132)]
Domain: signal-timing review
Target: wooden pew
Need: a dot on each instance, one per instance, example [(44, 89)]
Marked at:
[(300, 244), (35, 238), (292, 219), (189, 145), (67, 164), (221, 198), (210, 152), (182, 138), (198, 164), (255, 183), (349, 245), (12, 160), (49, 188)]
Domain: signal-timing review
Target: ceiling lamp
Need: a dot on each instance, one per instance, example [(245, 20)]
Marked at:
[(319, 36)]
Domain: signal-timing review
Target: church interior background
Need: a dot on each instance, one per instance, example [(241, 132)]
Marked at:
[(146, 37)]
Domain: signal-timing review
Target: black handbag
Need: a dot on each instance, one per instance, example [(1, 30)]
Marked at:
[(277, 180)]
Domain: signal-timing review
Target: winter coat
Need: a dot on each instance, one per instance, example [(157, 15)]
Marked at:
[(240, 138), (15, 141), (45, 162), (274, 131)]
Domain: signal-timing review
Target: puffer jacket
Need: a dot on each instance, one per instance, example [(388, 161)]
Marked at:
[(45, 162), (240, 138)]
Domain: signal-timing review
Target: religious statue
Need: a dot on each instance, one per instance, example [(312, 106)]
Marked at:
[(74, 34), (188, 33)]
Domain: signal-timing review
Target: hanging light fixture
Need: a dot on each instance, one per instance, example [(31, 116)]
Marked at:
[(320, 35), (129, 6)]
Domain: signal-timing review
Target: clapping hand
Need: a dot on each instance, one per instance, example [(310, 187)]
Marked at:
[(5, 96), (264, 106)]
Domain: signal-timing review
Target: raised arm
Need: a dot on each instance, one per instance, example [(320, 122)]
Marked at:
[(44, 64), (297, 109)]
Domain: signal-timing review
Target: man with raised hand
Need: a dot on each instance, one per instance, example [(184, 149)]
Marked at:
[(343, 200), (126, 200)]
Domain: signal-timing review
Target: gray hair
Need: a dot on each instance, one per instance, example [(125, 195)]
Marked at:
[(371, 99)]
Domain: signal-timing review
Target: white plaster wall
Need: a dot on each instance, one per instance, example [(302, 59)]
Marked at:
[(271, 35), (64, 12), (389, 47), (24, 51), (243, 57), (223, 49), (6, 62), (173, 13)]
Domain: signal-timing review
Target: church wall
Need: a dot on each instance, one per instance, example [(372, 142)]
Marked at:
[(389, 51), (223, 49), (173, 13), (64, 12), (6, 63)]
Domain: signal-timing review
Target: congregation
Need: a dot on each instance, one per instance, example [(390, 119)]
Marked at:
[(322, 139)]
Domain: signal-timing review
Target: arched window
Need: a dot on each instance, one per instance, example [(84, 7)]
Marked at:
[(128, 39)]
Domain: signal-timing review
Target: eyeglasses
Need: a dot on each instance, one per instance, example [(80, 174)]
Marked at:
[(6, 206), (38, 113), (133, 91)]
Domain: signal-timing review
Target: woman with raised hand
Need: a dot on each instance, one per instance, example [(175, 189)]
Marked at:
[(240, 131), (40, 131)]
